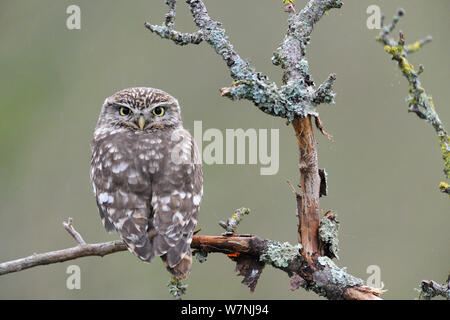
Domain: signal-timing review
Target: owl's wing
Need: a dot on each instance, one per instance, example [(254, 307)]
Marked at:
[(123, 194), (104, 217), (177, 194)]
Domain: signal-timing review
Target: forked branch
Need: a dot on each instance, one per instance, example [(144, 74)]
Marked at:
[(296, 99), (339, 284)]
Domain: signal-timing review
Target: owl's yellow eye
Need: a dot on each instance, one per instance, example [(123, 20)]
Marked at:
[(158, 111), (124, 111)]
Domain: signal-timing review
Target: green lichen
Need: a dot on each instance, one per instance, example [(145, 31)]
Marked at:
[(328, 232), (280, 254), (444, 187), (201, 256), (430, 289), (232, 223), (414, 47), (340, 276), (445, 148), (396, 52), (176, 287)]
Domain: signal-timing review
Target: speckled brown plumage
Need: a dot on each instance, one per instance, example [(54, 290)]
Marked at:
[(147, 176)]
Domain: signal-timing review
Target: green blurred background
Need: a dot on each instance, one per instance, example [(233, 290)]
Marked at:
[(384, 164)]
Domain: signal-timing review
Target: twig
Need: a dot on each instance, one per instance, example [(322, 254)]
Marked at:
[(232, 223), (97, 249), (167, 30), (71, 230), (419, 102)]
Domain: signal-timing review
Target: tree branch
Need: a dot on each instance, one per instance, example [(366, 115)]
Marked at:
[(291, 57), (431, 289), (419, 102), (296, 100), (338, 284), (87, 250), (167, 30), (71, 230)]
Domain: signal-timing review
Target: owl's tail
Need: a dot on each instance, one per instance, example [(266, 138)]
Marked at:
[(181, 270)]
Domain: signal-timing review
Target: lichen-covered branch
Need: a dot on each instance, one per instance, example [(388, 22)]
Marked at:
[(167, 30), (232, 223), (430, 289), (385, 37), (290, 100), (291, 57), (297, 100), (283, 256), (323, 278), (419, 101)]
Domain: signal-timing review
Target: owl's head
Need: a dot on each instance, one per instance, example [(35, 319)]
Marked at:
[(141, 109)]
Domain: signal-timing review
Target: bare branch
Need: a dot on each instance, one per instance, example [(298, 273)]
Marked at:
[(88, 250), (71, 230)]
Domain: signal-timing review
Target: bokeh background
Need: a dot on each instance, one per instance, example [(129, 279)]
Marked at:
[(384, 164)]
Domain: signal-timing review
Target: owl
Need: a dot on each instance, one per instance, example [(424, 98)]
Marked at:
[(147, 177)]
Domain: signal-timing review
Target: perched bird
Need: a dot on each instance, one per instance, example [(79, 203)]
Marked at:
[(147, 177)]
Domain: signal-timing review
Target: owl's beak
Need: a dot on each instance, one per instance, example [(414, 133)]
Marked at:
[(141, 123)]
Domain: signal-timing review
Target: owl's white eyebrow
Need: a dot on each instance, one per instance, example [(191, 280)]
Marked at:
[(164, 103), (118, 104)]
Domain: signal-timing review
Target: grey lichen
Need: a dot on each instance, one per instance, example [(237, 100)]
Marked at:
[(430, 289), (328, 232), (296, 98), (331, 281), (201, 256), (280, 254), (167, 30), (232, 223)]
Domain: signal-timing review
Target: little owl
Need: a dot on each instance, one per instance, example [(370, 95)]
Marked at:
[(147, 176)]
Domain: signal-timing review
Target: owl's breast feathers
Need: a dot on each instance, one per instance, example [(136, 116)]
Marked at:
[(148, 188)]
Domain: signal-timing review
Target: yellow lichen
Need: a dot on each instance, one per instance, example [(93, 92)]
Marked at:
[(406, 67), (414, 47), (430, 99), (390, 49), (396, 53)]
